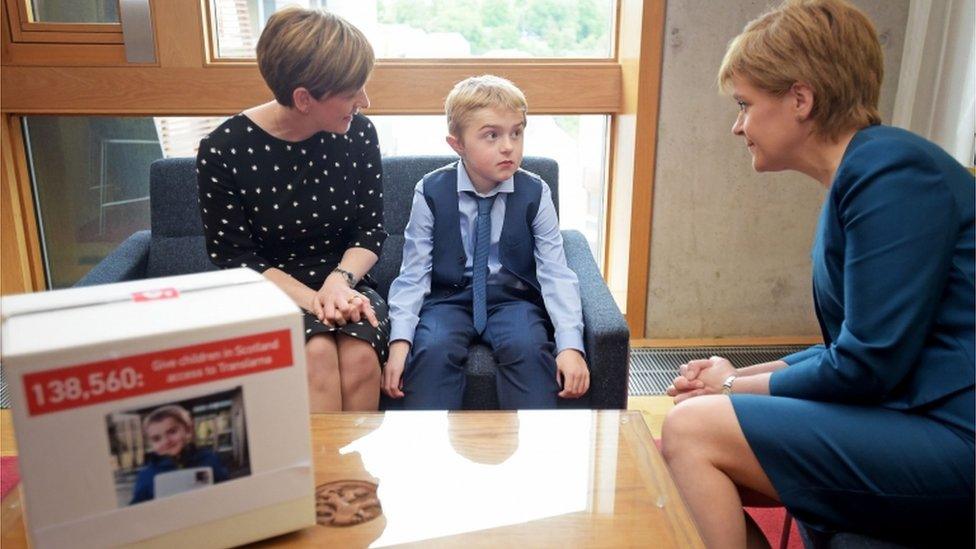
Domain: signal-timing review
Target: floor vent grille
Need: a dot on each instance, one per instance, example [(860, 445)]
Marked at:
[(653, 369)]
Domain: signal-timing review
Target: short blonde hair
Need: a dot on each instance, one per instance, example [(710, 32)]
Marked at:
[(313, 49), (828, 45), (478, 92)]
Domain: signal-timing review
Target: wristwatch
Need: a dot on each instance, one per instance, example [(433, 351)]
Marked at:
[(349, 277), (727, 385)]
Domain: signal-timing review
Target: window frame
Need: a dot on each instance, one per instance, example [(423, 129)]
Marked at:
[(23, 266), (24, 30), (29, 43), (91, 78)]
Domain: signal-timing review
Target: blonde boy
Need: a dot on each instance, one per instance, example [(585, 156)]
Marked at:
[(483, 260), (169, 430)]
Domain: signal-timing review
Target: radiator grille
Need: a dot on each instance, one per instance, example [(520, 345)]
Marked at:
[(652, 370)]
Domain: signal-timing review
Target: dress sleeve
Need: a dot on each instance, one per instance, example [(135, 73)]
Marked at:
[(899, 221), (229, 240), (805, 354), (369, 232)]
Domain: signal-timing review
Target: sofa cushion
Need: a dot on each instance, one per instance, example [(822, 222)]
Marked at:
[(175, 209), (388, 267), (170, 256)]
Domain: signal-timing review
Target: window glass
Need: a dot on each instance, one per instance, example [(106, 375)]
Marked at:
[(91, 185), (91, 174), (441, 28), (75, 11)]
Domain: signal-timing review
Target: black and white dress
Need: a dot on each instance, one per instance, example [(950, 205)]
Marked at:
[(297, 206)]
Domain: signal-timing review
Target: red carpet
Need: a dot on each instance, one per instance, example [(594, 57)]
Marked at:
[(770, 521), (9, 475)]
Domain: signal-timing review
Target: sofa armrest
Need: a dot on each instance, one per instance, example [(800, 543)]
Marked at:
[(605, 332), (127, 262)]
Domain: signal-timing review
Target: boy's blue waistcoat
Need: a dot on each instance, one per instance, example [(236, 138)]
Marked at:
[(516, 247)]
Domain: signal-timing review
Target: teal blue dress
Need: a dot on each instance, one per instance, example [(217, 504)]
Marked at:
[(872, 432)]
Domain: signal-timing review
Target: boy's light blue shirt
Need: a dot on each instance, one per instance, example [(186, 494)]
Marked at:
[(560, 287)]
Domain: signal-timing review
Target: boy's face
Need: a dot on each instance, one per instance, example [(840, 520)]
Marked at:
[(491, 145), (167, 436)]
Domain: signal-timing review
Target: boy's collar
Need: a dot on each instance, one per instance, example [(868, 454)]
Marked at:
[(464, 183)]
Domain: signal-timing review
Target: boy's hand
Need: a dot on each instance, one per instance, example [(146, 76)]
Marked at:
[(393, 371), (572, 374)]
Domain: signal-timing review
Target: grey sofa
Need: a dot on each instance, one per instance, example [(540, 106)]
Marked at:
[(175, 245)]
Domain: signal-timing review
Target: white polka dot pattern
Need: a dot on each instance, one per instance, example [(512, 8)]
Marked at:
[(265, 201)]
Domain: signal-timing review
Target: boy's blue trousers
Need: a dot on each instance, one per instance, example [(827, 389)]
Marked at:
[(518, 332)]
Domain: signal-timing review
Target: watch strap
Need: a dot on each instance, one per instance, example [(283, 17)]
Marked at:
[(727, 384), (348, 276)]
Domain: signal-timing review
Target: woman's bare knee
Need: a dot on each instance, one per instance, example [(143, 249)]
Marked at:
[(706, 428), (358, 363), (693, 428), (360, 372), (321, 363)]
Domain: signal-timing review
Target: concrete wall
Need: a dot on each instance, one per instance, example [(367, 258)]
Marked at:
[(730, 247)]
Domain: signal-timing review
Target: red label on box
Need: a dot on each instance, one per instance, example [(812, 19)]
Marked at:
[(153, 295), (115, 379)]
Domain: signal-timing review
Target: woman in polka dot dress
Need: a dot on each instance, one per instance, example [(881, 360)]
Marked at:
[(293, 189)]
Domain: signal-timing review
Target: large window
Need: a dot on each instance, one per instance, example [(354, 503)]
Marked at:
[(91, 174), (440, 28), (87, 142)]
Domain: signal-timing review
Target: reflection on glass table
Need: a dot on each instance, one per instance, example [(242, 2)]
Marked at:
[(527, 478), (559, 478), (527, 469)]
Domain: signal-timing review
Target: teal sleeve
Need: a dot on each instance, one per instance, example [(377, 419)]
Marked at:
[(800, 356), (899, 222)]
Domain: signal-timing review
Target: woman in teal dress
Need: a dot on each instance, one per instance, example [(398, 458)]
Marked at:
[(871, 432)]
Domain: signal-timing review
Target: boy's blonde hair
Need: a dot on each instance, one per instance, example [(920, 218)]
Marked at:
[(313, 49), (479, 92), (173, 411), (828, 45)]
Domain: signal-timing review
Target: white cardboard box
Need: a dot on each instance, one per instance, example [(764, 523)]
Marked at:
[(84, 368)]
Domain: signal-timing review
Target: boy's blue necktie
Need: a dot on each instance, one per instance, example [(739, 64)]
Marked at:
[(479, 267)]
